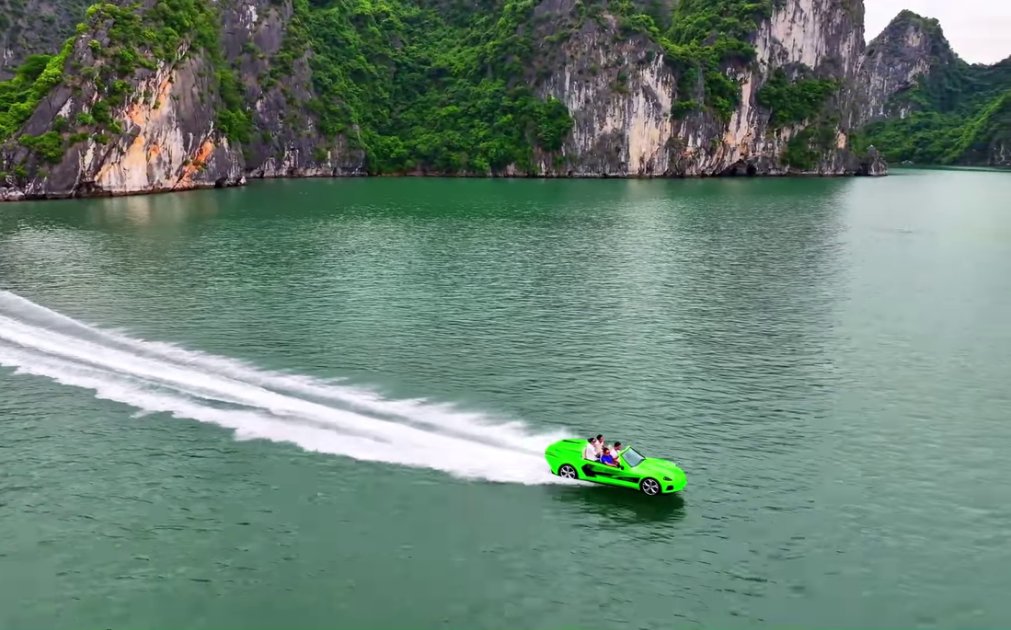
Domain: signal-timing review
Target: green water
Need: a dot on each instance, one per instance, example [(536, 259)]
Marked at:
[(828, 360)]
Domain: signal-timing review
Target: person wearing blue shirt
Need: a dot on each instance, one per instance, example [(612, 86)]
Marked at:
[(606, 458)]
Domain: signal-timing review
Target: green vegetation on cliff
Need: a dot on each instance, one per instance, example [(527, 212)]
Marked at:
[(448, 86), (793, 102), (953, 114), (34, 27), (165, 33), (33, 80), (707, 36), (990, 128), (442, 87), (700, 39), (796, 101), (807, 147), (417, 87), (120, 39), (932, 135)]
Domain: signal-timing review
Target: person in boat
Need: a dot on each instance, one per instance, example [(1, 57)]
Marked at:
[(616, 451), (607, 459), (590, 451), (599, 445)]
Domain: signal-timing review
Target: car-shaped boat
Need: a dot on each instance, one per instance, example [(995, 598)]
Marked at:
[(650, 475)]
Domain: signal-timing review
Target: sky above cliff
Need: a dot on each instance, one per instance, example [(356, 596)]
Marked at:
[(979, 30)]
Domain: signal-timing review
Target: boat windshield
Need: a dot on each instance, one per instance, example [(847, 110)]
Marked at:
[(631, 457)]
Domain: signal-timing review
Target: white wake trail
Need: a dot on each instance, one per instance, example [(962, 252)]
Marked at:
[(442, 417), (315, 414)]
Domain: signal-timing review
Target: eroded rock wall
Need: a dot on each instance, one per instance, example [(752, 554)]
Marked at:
[(35, 27), (286, 141), (621, 94), (905, 52), (626, 126), (168, 140)]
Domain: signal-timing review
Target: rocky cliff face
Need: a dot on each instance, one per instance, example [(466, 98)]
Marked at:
[(35, 27), (286, 142), (894, 62), (163, 134), (159, 136), (168, 142), (635, 131), (127, 118), (921, 103)]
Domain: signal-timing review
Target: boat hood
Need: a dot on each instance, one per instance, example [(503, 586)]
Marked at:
[(660, 468)]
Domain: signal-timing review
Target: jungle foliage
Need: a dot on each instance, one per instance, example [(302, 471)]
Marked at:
[(951, 116)]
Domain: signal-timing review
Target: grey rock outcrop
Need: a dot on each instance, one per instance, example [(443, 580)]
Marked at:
[(287, 142), (632, 132), (905, 52), (910, 67), (35, 27), (618, 89), (629, 132), (168, 140)]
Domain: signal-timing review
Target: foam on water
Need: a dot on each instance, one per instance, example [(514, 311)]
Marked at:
[(315, 414)]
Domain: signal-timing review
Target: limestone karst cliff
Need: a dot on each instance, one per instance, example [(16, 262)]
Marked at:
[(809, 50), (31, 27), (177, 94), (923, 104)]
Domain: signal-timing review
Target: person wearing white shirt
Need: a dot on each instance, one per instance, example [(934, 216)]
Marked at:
[(590, 452), (599, 446)]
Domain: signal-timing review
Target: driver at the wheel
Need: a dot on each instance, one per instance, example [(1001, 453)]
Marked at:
[(606, 458), (590, 452)]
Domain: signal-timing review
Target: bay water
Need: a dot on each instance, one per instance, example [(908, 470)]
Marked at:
[(324, 403)]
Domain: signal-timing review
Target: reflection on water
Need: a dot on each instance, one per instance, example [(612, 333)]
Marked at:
[(156, 210), (618, 507)]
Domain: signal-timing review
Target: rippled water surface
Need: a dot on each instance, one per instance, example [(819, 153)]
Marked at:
[(323, 404)]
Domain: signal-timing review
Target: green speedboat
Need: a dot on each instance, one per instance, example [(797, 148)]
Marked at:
[(649, 475)]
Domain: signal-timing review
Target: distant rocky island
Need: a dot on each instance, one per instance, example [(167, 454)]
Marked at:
[(925, 105), (157, 95)]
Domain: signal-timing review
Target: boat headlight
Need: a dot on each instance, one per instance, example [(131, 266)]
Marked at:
[(667, 479)]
